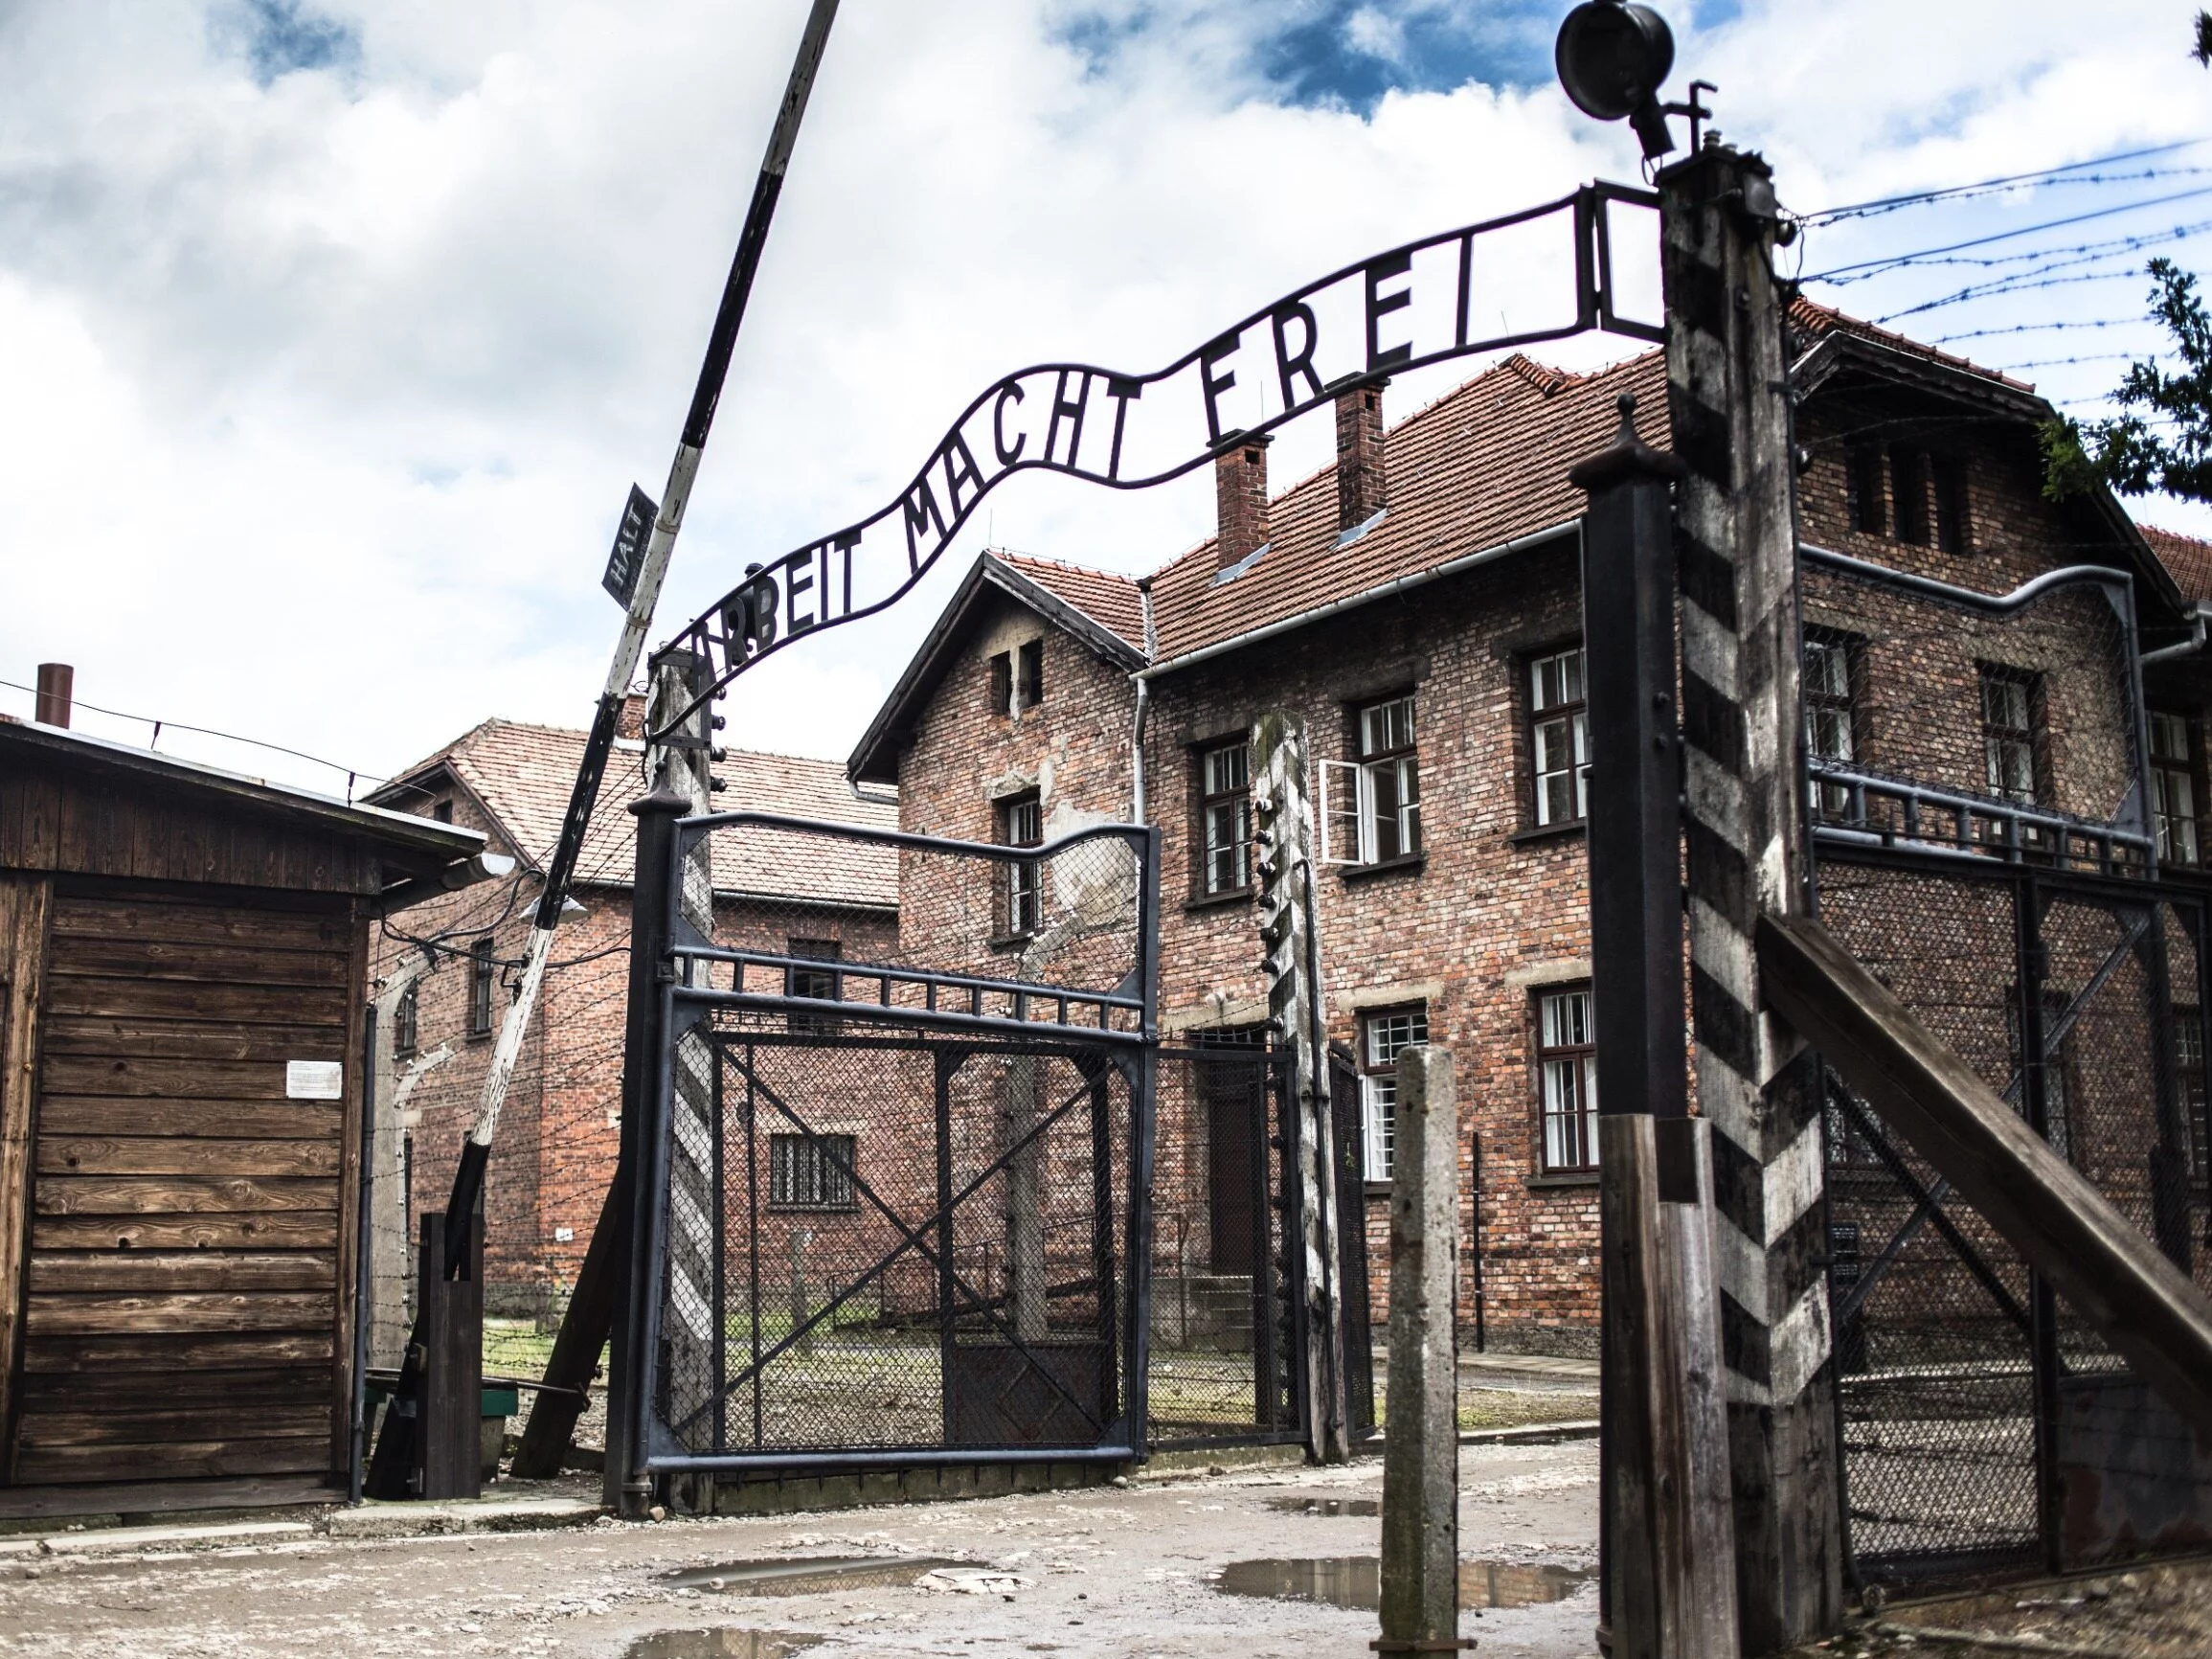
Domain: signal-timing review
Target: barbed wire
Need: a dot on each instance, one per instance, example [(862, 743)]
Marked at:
[(2003, 183)]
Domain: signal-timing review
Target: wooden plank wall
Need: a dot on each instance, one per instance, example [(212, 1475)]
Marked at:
[(124, 829), (24, 901), (190, 1248)]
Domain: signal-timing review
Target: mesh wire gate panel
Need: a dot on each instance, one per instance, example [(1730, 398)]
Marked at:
[(908, 1113), (1985, 847), (1983, 1418), (1221, 1343)]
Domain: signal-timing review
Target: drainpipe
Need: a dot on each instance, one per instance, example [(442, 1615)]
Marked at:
[(1143, 707), (2189, 646)]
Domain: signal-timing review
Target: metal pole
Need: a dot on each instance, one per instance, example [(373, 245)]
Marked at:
[(584, 795), (363, 1312), (649, 909)]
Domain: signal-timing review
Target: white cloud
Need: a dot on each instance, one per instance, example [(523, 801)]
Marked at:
[(318, 400)]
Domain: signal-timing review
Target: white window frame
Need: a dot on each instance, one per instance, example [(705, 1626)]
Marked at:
[(1563, 1066), (1352, 818), (1232, 797), (1576, 770), (1379, 1082)]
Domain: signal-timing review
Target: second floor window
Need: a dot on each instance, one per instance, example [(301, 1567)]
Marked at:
[(1382, 1036), (822, 982), (1224, 818), (1022, 824), (1830, 733), (2173, 789), (483, 970), (1029, 683), (1371, 807), (1909, 493), (406, 1021), (1953, 519), (810, 1172), (1567, 1081), (1559, 737), (2008, 738)]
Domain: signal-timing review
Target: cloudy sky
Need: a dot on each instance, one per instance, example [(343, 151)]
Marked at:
[(332, 333)]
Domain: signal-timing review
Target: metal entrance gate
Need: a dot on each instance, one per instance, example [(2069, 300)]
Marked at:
[(922, 1186), (1984, 1427)]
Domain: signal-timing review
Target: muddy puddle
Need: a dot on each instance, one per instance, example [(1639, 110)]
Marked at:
[(804, 1576), (1356, 1581), (719, 1644), (1309, 1506)]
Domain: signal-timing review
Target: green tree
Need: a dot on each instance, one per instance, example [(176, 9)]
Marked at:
[(2202, 52), (2162, 436)]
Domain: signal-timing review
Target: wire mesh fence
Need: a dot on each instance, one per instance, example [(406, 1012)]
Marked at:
[(1984, 1423), (2006, 729)]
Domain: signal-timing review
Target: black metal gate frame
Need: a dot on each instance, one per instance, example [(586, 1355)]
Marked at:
[(2034, 886), (1134, 1051)]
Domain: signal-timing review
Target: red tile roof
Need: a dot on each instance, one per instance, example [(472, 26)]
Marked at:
[(523, 775), (1481, 467), (2188, 558), (1110, 600), (1824, 320)]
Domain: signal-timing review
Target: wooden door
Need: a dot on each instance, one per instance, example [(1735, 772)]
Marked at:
[(183, 1291)]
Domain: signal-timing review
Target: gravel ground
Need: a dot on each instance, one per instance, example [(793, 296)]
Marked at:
[(1120, 1572)]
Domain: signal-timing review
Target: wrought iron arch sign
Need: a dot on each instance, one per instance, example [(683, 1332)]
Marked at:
[(1402, 309)]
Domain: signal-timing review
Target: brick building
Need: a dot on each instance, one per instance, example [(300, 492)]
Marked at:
[(556, 1144), (1418, 603)]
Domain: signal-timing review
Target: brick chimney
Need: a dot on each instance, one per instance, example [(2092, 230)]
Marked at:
[(1362, 489), (630, 723), (1240, 499), (56, 684)]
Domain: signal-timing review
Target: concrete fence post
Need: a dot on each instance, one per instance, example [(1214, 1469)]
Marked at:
[(1420, 1570)]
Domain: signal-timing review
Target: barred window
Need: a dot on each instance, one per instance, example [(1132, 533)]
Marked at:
[(1022, 824), (811, 1172), (2173, 789), (1830, 724), (1559, 737), (1381, 1038), (1225, 817), (2008, 738), (406, 1020), (1567, 1073), (482, 970)]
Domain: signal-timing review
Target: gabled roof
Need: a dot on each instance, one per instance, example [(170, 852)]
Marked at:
[(1104, 611), (2189, 559), (1825, 325), (521, 775), (1477, 474)]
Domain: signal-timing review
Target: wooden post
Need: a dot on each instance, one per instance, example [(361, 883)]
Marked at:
[(1420, 1599), (1671, 1580), (1289, 931), (1744, 793), (1666, 1538), (448, 1442)]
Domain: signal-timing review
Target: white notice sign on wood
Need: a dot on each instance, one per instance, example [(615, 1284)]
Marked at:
[(314, 1080)]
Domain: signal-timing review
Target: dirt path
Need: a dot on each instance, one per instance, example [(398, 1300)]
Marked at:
[(1118, 1571)]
